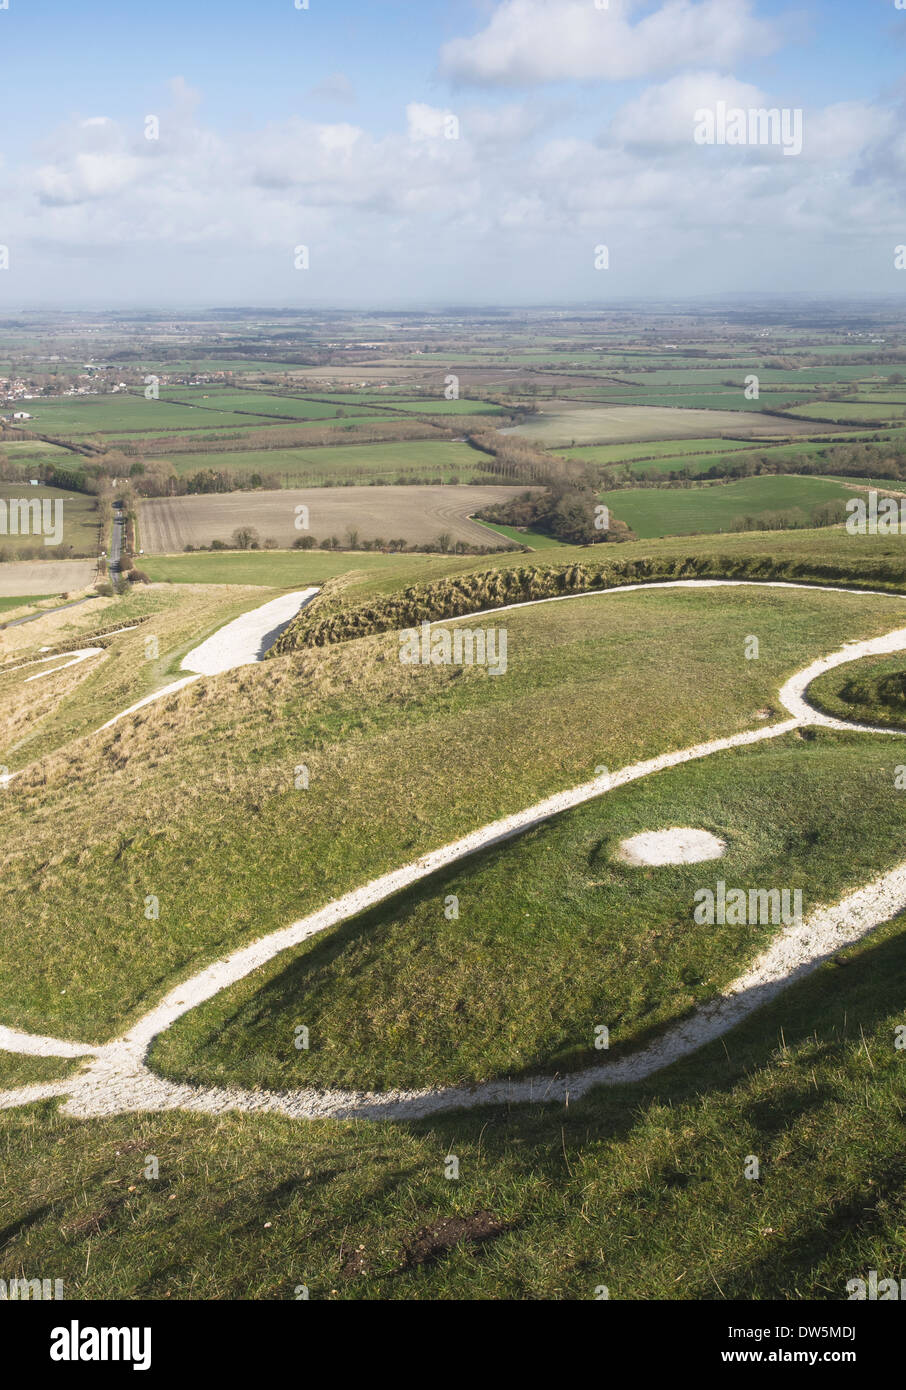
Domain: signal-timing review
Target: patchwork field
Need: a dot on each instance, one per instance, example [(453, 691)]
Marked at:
[(217, 408), (853, 412), (110, 414), (715, 506), (411, 514), (561, 424), (364, 463), (651, 450)]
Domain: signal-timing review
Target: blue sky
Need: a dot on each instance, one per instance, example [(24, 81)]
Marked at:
[(261, 60), (325, 127)]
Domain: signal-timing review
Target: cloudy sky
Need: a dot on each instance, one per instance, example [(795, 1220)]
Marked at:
[(444, 151)]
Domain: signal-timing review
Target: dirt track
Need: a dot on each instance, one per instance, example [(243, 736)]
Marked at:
[(412, 514)]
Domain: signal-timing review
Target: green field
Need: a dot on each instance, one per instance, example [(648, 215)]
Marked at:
[(850, 412), (432, 406), (286, 569), (25, 603), (79, 515), (566, 424), (679, 511), (652, 450), (254, 428), (431, 459), (27, 451), (185, 409), (423, 403), (700, 463), (772, 376), (690, 399), (535, 540), (111, 414), (205, 398), (877, 560)]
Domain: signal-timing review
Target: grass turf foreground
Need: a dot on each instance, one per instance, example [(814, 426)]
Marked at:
[(872, 693), (640, 1190)]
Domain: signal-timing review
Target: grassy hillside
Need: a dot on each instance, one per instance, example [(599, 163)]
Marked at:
[(865, 560), (811, 1084), (194, 799), (37, 717), (554, 935)]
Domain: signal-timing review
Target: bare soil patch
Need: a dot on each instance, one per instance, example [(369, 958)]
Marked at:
[(413, 514), (45, 576), (431, 1242)]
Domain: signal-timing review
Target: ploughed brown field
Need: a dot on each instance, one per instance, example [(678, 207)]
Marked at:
[(413, 514)]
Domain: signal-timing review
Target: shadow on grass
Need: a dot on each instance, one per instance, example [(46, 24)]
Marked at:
[(281, 995)]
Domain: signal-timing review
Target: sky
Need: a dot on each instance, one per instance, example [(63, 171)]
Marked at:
[(381, 153)]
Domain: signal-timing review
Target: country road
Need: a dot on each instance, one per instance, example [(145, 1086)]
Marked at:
[(116, 539), (44, 612)]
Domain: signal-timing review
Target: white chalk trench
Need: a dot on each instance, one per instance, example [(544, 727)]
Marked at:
[(117, 1080)]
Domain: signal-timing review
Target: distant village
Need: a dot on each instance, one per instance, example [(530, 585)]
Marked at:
[(95, 379)]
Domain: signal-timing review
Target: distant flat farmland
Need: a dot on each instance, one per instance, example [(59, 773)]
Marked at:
[(653, 449), (109, 414), (855, 411), (561, 423), (413, 514), (430, 459), (256, 403)]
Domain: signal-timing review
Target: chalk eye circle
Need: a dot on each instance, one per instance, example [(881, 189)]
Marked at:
[(681, 844)]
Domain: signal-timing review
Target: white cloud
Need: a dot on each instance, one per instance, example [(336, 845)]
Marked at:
[(430, 123), (87, 176), (515, 203), (844, 131), (664, 115), (532, 41), (502, 126)]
